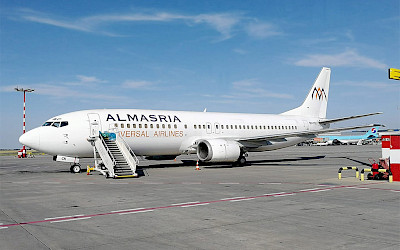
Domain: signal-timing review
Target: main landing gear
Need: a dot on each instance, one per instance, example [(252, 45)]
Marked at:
[(241, 161), (75, 168)]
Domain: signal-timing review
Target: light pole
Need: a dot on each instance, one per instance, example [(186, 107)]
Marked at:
[(23, 155)]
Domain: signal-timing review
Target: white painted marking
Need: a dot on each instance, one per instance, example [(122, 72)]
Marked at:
[(3, 228), (231, 198), (310, 189), (116, 211), (85, 218), (184, 203), (396, 191), (283, 195), (350, 187), (51, 182), (274, 183), (362, 188), (190, 183), (20, 182), (322, 190), (229, 183), (62, 217), (136, 212), (274, 193), (243, 199), (194, 205)]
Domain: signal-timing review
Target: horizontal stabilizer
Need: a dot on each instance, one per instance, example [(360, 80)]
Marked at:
[(327, 121)]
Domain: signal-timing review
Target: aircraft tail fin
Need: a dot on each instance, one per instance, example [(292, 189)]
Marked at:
[(316, 102), (372, 132)]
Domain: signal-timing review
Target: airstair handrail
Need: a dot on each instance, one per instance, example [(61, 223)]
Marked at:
[(129, 148), (107, 149)]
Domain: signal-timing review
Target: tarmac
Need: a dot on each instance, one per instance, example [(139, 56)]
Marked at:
[(284, 199)]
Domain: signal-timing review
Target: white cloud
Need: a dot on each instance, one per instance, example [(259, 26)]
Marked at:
[(224, 23), (240, 51), (81, 89), (349, 58), (138, 84), (262, 30), (371, 85), (89, 79), (251, 88)]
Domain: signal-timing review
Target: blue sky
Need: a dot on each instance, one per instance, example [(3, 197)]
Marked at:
[(226, 56)]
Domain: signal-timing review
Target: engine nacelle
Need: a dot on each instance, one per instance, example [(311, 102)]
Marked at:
[(218, 150)]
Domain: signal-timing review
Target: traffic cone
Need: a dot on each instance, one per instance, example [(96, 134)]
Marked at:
[(197, 165)]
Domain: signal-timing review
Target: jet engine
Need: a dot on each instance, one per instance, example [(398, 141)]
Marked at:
[(218, 150)]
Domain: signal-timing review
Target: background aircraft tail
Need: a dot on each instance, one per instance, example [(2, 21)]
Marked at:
[(373, 132), (316, 102)]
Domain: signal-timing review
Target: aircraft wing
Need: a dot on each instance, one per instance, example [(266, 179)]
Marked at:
[(327, 121), (308, 133)]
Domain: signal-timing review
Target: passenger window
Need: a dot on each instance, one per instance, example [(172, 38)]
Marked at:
[(63, 124), (204, 126), (128, 125), (175, 126), (116, 125), (158, 125), (134, 125), (185, 126), (163, 126), (151, 125), (195, 126), (145, 126), (122, 125), (169, 125), (222, 126)]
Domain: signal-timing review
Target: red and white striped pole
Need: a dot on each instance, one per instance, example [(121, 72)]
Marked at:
[(23, 126)]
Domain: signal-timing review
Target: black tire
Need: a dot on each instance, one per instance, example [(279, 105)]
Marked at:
[(76, 168), (241, 161)]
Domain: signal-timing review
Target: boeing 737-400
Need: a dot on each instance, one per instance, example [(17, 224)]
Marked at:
[(214, 137)]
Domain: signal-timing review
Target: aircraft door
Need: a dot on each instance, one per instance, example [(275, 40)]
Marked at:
[(216, 127), (208, 128), (94, 124)]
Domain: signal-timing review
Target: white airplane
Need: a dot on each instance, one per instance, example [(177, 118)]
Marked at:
[(215, 137)]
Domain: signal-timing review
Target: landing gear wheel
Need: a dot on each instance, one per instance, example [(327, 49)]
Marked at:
[(241, 161), (76, 168)]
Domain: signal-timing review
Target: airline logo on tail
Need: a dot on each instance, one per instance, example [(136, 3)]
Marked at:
[(373, 130), (319, 93)]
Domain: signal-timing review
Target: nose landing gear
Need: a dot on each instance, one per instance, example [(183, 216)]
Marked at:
[(75, 168)]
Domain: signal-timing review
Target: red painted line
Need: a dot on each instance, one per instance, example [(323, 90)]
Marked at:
[(191, 204)]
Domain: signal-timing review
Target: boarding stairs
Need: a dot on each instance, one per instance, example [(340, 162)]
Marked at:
[(117, 158)]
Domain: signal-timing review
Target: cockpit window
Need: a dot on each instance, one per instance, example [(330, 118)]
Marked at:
[(56, 124), (63, 124), (47, 124)]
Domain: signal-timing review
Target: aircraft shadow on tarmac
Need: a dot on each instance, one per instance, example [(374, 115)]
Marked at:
[(360, 162), (186, 163)]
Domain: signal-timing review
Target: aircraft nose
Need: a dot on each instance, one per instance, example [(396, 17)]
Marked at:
[(31, 139)]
